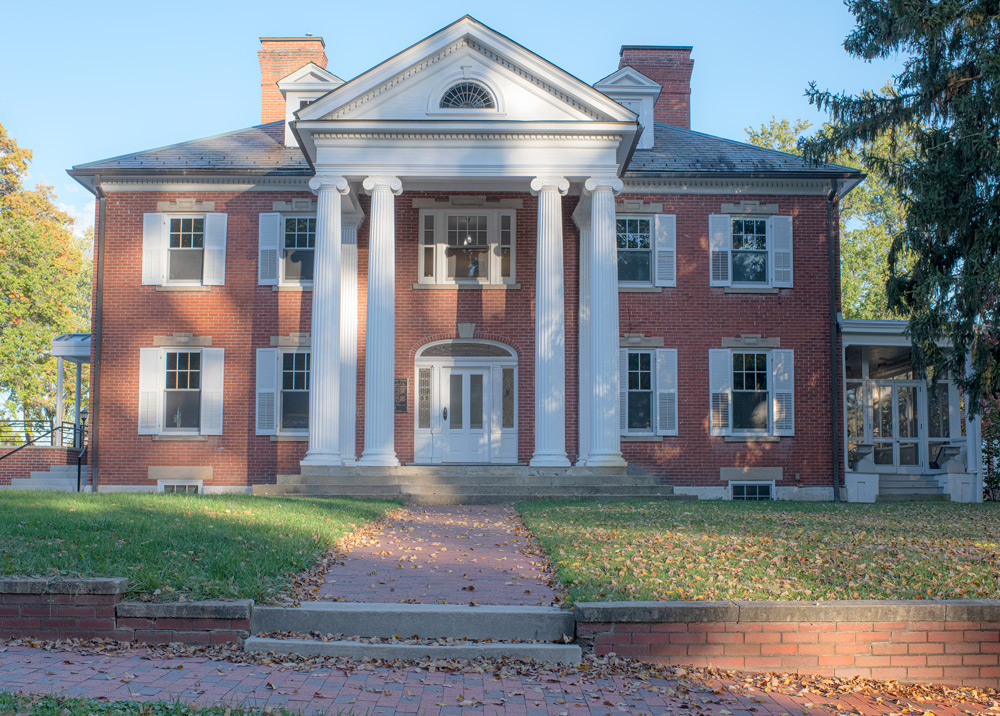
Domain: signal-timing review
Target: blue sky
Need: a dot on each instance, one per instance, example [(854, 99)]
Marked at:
[(87, 80)]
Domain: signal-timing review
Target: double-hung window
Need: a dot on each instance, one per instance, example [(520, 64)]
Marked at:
[(180, 391), (286, 249), (298, 249), (648, 397), (647, 250), (752, 392), (469, 247), (184, 249), (294, 414), (750, 251), (282, 390)]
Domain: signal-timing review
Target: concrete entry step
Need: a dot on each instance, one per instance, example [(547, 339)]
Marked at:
[(424, 621), (552, 653)]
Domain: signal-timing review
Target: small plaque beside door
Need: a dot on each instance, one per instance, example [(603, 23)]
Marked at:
[(400, 395)]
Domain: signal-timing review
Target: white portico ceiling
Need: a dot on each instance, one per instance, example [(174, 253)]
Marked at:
[(389, 119)]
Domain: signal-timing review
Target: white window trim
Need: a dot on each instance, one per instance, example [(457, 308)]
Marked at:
[(282, 281), (281, 393), (770, 394), (651, 218), (161, 484), (768, 251), (167, 281), (164, 430), (770, 483), (651, 352), (441, 242)]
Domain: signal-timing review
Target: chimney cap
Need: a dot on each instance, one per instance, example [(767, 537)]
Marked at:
[(307, 38), (654, 47)]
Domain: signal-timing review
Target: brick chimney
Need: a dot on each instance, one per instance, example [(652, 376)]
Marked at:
[(279, 57), (671, 67)]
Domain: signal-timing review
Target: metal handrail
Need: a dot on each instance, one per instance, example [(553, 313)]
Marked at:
[(20, 448), (17, 432), (79, 463)]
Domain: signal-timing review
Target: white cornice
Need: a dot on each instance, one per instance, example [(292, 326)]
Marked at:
[(462, 136), (203, 183)]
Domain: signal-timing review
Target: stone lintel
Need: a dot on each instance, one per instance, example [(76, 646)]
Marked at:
[(464, 202), (639, 340), (180, 472), (294, 205), (638, 206), (750, 340), (185, 205), (182, 339), (750, 207), (292, 340)]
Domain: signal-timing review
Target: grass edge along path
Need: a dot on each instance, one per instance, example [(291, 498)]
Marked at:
[(175, 547), (55, 705), (722, 550)]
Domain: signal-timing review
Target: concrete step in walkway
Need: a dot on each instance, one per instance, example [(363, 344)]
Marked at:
[(58, 478), (519, 632), (910, 488)]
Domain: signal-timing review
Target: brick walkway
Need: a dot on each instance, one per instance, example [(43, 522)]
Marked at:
[(443, 555), (142, 676)]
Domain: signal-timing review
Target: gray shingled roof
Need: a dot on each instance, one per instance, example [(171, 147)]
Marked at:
[(257, 150), (682, 151)]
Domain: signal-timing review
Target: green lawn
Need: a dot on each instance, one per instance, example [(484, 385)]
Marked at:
[(201, 547), (52, 705), (768, 551)]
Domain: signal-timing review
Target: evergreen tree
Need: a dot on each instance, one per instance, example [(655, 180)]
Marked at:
[(948, 98)]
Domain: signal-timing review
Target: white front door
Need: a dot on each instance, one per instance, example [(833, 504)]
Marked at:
[(465, 419)]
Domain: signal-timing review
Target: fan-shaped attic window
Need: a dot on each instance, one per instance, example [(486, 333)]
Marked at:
[(467, 95)]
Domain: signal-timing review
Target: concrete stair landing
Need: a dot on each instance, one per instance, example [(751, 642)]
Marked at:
[(538, 633), (58, 478), (910, 488), (468, 484)]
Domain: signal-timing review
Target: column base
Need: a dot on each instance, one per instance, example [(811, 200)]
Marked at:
[(606, 460), (550, 460), (317, 458), (379, 460)]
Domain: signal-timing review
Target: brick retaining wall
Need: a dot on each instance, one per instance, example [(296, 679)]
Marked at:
[(34, 458), (929, 641), (92, 609)]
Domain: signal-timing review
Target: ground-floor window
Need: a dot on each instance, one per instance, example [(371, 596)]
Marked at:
[(295, 390)]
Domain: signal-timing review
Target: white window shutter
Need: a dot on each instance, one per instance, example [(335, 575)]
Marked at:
[(783, 391), (666, 391), (666, 249), (215, 250), (623, 389), (720, 381), (212, 380), (151, 387), (780, 236), (267, 391), (154, 248), (720, 243), (268, 247)]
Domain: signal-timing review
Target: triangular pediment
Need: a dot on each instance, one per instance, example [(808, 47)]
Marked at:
[(410, 85), (308, 76), (626, 77)]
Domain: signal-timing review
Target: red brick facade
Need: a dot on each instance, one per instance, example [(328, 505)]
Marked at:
[(280, 57), (241, 317), (33, 458), (671, 68)]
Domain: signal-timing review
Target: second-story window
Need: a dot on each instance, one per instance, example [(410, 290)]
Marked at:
[(635, 249), (750, 251), (299, 249), (186, 249), (466, 247)]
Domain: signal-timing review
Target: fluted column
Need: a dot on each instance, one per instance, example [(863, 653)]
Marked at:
[(380, 328), (605, 436), (349, 335), (550, 326), (324, 368), (583, 348)]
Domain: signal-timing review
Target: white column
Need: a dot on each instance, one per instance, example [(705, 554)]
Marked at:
[(78, 439), (324, 367), (583, 349), (380, 328), (550, 326), (349, 335), (60, 370), (605, 438)]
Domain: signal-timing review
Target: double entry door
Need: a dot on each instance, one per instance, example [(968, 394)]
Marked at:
[(466, 411), (896, 425)]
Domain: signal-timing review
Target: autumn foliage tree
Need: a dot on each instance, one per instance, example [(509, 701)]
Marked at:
[(44, 288), (948, 97)]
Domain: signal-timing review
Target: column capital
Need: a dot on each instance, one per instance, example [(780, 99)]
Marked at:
[(329, 181), (594, 184), (540, 184), (393, 184)]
